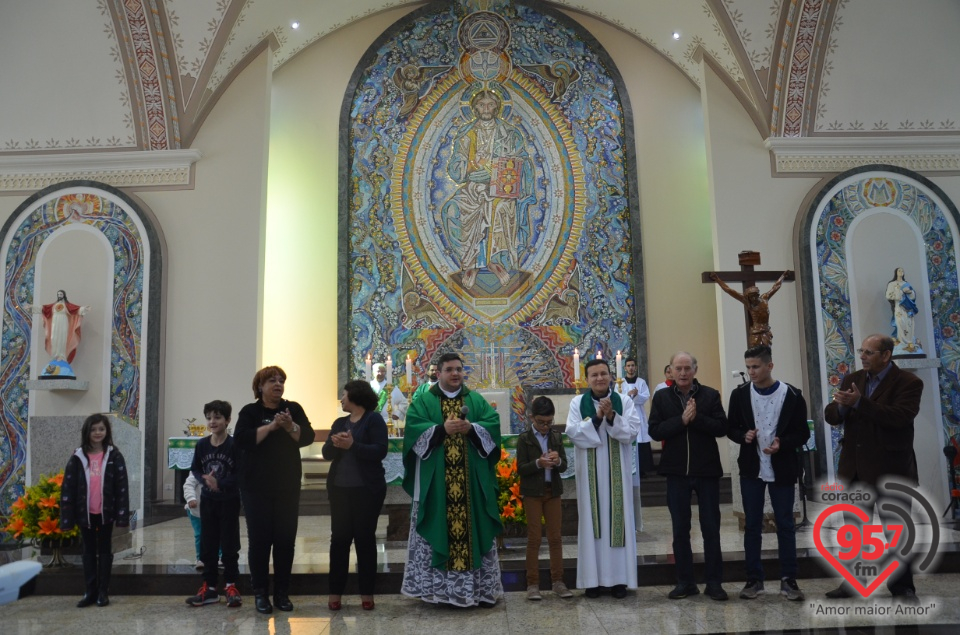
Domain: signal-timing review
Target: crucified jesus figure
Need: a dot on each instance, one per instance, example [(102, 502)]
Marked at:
[(757, 307)]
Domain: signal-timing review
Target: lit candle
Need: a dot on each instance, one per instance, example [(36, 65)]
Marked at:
[(576, 364), (409, 370), (619, 365), (369, 366), (389, 369)]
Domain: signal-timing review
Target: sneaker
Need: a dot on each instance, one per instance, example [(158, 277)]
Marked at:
[(533, 593), (751, 590), (233, 596), (205, 595), (716, 593), (790, 590), (681, 591), (560, 590), (199, 565)]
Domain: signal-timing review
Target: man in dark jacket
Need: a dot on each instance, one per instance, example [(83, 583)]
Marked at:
[(877, 406), (768, 418), (688, 417)]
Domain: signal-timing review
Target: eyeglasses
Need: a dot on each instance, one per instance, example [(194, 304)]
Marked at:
[(863, 351)]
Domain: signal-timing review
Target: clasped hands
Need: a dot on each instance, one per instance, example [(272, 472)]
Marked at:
[(342, 440), (689, 411), (549, 458), (847, 398), (605, 411), (456, 426), (773, 448), (282, 420)]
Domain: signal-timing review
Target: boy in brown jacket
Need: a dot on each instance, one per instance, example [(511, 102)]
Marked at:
[(540, 462)]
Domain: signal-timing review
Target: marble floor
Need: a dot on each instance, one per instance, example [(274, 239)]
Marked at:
[(171, 543), (645, 611)]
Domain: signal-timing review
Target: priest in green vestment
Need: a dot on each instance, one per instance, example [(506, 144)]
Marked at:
[(430, 383), (451, 447)]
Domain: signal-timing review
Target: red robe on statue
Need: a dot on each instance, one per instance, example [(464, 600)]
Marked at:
[(61, 322)]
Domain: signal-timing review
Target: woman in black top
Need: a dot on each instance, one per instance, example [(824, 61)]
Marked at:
[(356, 486), (270, 433)]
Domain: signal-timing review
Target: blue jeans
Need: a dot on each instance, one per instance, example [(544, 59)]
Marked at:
[(781, 498), (679, 491)]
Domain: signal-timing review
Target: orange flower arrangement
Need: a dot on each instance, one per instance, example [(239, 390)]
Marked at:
[(508, 481), (36, 514)]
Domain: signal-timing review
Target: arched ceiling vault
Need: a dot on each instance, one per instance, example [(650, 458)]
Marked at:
[(157, 67)]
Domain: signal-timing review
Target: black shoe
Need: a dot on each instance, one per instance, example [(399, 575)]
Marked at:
[(681, 591), (487, 605), (839, 593), (88, 599), (592, 592), (619, 591), (102, 598), (716, 593), (263, 605), (283, 603)]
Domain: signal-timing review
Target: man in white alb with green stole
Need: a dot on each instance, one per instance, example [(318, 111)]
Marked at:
[(451, 446), (602, 427)]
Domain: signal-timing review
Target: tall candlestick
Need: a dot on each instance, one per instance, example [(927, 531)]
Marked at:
[(389, 369), (619, 365), (576, 364), (369, 366), (409, 370)]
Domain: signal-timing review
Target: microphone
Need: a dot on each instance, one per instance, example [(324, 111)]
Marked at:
[(463, 412)]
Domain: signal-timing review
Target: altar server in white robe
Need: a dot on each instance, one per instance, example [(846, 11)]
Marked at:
[(635, 389), (381, 386), (602, 427)]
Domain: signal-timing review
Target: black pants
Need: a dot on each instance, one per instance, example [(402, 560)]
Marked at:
[(354, 512), (97, 538), (220, 533), (679, 493), (271, 523)]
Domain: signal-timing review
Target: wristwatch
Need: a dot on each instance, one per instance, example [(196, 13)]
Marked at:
[(294, 429)]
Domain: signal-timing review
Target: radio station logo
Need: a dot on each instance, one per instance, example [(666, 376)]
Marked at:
[(866, 554)]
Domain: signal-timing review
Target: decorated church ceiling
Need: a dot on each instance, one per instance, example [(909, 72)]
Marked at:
[(143, 74)]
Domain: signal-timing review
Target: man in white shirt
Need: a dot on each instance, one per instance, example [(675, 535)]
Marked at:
[(603, 427), (768, 418)]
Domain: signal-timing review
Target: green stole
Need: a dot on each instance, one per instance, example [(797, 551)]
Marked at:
[(617, 531), (382, 397)]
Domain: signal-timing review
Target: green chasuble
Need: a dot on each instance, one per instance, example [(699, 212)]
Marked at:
[(458, 513)]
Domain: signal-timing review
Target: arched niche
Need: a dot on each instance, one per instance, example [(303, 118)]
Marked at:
[(859, 228), (104, 249)]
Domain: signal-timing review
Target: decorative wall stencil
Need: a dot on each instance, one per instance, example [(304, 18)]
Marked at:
[(25, 233), (903, 196), (489, 198)]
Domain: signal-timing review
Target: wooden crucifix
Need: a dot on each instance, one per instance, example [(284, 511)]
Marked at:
[(756, 311)]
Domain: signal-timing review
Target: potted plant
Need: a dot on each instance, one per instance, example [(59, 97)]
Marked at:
[(36, 516)]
